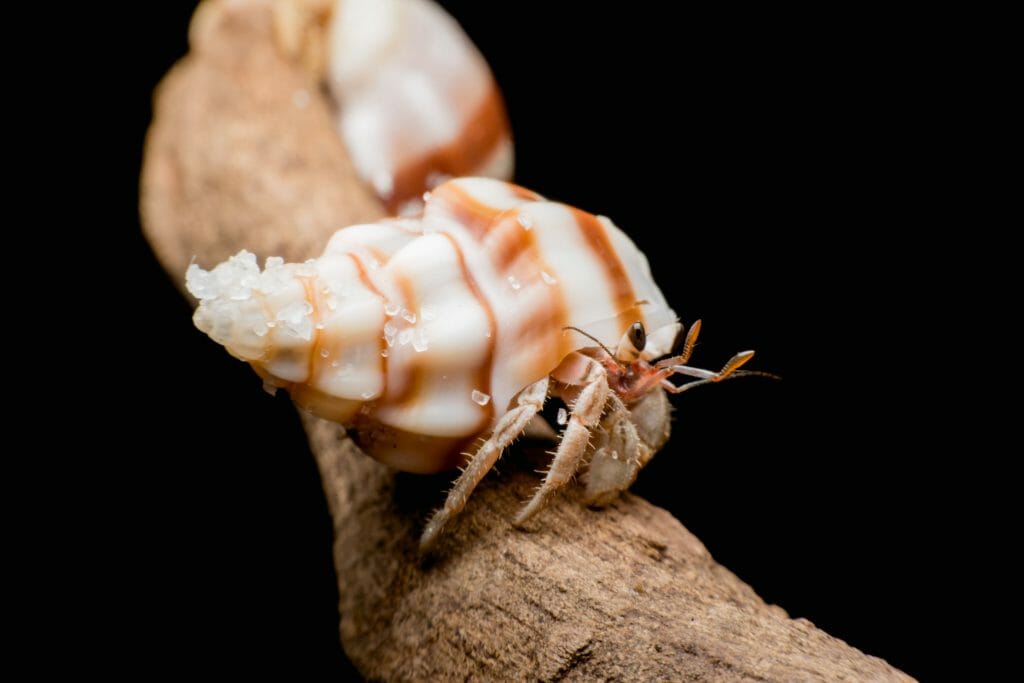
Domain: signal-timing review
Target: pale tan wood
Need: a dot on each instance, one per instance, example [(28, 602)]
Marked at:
[(242, 152)]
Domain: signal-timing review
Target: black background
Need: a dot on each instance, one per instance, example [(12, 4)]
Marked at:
[(763, 162)]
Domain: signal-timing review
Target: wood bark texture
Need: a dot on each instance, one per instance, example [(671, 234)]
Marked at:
[(242, 153)]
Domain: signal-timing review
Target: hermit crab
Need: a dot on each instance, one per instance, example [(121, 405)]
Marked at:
[(437, 337), (424, 334)]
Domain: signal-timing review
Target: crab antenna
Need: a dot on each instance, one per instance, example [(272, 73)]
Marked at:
[(592, 338)]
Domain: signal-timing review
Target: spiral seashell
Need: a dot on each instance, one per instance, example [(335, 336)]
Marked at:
[(418, 332)]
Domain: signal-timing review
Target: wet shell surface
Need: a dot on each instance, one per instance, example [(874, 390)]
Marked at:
[(417, 332)]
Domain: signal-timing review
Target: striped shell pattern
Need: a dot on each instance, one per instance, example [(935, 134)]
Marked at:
[(417, 332), (415, 100)]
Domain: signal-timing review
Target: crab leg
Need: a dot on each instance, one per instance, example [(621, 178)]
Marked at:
[(586, 413), (511, 425)]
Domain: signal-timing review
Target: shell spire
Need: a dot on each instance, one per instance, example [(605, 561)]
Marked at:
[(230, 308)]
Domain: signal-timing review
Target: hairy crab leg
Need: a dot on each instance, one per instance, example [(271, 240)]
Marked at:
[(586, 414), (512, 424)]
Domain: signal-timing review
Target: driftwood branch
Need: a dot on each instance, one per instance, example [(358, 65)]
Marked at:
[(242, 153)]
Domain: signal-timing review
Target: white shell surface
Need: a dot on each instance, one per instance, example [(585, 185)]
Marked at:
[(416, 100), (434, 324)]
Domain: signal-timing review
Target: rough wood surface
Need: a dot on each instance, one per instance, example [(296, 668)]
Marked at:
[(242, 151), (236, 158)]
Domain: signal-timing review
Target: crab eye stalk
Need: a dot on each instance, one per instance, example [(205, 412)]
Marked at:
[(637, 336), (632, 343)]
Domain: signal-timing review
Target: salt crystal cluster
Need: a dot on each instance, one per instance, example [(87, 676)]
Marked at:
[(232, 303)]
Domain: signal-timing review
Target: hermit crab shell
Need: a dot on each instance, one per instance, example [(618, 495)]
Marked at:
[(419, 331), (416, 102)]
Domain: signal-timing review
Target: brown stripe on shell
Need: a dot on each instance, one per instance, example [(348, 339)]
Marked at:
[(549, 322), (480, 137), (623, 295), (507, 242), (304, 394), (364, 277), (483, 370), (296, 390), (470, 212), (515, 252), (473, 214), (269, 351), (410, 382), (379, 256), (309, 291), (301, 393)]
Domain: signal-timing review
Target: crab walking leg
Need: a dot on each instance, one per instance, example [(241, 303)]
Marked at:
[(512, 424), (618, 453), (586, 413)]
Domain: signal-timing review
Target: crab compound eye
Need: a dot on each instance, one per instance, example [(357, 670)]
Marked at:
[(637, 336)]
